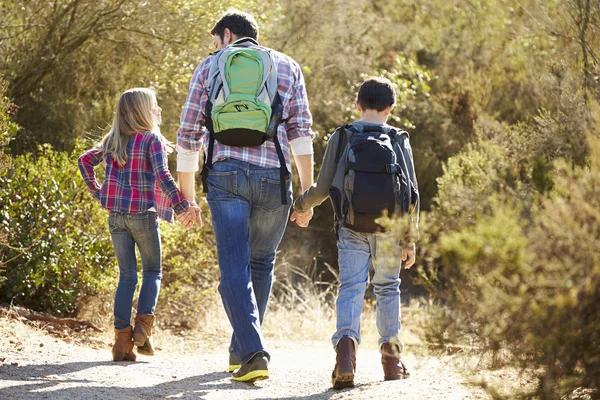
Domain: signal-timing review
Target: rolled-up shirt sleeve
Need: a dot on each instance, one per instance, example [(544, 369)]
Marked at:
[(299, 119), (191, 129), (302, 146)]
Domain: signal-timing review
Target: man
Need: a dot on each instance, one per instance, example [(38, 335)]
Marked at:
[(244, 192)]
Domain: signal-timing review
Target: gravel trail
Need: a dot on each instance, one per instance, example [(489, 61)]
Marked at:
[(35, 365)]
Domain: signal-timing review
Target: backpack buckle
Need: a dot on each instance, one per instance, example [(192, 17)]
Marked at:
[(391, 168)]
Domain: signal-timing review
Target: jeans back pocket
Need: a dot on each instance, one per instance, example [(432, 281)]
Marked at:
[(142, 223), (221, 185), (270, 194)]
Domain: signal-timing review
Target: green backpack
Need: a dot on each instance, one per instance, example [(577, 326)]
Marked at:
[(244, 107)]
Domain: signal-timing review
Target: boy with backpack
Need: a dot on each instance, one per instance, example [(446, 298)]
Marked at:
[(367, 170)]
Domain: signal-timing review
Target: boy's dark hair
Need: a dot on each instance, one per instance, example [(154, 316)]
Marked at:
[(239, 23), (376, 93)]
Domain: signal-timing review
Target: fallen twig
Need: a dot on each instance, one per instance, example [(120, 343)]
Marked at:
[(72, 322)]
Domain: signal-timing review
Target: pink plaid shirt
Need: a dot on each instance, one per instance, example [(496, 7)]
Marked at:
[(192, 134), (142, 183)]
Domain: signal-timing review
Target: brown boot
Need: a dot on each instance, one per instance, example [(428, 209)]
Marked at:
[(123, 348), (393, 368), (345, 364), (142, 333)]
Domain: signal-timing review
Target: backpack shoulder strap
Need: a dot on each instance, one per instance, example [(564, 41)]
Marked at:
[(395, 134), (343, 140)]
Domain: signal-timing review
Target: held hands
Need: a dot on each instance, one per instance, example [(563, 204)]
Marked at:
[(302, 218), (408, 256), (191, 216)]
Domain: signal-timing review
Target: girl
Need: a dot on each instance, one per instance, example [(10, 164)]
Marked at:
[(138, 186)]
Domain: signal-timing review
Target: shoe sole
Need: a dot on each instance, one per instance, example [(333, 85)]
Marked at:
[(144, 348), (343, 381), (395, 377), (120, 356), (253, 376), (233, 367)]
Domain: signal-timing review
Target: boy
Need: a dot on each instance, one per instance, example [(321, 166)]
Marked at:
[(362, 182)]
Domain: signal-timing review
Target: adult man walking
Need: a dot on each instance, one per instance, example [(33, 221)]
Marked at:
[(247, 183)]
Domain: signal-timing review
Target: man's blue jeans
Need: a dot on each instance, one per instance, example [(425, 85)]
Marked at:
[(127, 231), (248, 222), (355, 252)]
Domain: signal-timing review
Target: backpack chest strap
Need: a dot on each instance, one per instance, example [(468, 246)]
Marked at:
[(374, 168)]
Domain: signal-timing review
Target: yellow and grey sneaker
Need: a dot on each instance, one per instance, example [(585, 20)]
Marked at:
[(234, 362), (256, 369)]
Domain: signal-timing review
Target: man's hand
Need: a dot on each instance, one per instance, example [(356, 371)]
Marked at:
[(302, 218), (408, 256), (197, 213)]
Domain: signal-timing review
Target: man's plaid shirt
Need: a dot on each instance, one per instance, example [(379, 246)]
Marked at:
[(192, 135), (142, 183)]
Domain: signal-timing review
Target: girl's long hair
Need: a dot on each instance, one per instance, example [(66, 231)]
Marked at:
[(133, 115)]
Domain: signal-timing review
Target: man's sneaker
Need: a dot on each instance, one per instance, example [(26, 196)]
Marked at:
[(234, 363), (256, 369), (393, 368), (345, 364)]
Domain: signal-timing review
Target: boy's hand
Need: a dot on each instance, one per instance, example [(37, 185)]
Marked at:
[(302, 218), (408, 256)]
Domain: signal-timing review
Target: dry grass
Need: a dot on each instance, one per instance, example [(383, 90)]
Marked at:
[(314, 320), (301, 309)]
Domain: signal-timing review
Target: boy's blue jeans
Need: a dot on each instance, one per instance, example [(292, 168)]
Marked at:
[(355, 252), (127, 231), (248, 222)]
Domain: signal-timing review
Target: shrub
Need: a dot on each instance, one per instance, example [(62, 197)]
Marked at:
[(517, 266), (47, 213), (59, 248)]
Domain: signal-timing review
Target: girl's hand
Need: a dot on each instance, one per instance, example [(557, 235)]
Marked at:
[(188, 217)]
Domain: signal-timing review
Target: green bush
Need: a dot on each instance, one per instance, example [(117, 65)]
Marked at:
[(58, 245), (8, 130), (516, 263), (190, 273)]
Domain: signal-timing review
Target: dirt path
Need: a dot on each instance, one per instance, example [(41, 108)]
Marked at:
[(35, 365)]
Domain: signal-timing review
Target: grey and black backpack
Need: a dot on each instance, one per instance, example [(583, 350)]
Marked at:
[(375, 174)]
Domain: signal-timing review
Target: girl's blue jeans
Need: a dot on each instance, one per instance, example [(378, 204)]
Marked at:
[(127, 231)]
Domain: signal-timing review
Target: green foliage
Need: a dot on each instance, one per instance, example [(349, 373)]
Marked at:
[(497, 97), (67, 63), (8, 129), (190, 273), (516, 261), (59, 245)]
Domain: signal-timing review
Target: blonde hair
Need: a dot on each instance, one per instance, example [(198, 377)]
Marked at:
[(133, 115)]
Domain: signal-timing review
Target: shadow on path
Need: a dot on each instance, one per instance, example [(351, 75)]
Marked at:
[(50, 381)]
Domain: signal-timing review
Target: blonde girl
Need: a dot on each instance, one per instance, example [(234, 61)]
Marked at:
[(138, 189)]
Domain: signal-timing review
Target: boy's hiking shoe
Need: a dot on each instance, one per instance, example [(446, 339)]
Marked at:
[(256, 369), (123, 348), (393, 368), (345, 364), (234, 362), (142, 332)]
